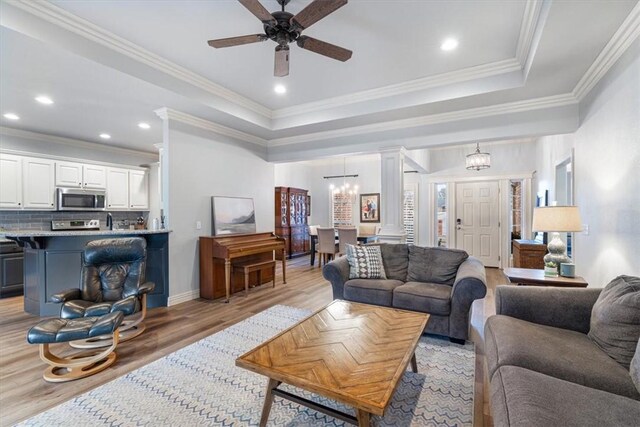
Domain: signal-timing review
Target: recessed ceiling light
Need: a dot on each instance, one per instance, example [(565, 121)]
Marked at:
[(449, 44), (42, 99), (143, 125), (12, 116), (105, 136), (280, 89)]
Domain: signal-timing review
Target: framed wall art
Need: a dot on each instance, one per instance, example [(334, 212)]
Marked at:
[(370, 207)]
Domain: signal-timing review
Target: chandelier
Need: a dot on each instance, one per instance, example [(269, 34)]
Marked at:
[(347, 190), (478, 160)]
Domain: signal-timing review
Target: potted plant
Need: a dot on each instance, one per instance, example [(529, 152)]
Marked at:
[(550, 269)]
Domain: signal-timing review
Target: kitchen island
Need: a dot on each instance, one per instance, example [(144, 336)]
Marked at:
[(53, 262)]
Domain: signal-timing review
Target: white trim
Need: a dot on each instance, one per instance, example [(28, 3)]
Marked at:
[(620, 41), (19, 133), (472, 113), (170, 114), (435, 179), (183, 297), (528, 29), (60, 17), (424, 83)]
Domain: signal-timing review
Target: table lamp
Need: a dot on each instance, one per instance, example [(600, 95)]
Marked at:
[(556, 219)]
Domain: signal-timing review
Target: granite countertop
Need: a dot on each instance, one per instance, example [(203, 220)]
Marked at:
[(46, 233)]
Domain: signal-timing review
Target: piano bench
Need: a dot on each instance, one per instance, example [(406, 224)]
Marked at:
[(251, 266)]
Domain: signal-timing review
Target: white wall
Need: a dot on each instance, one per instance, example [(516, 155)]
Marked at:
[(198, 168), (607, 173), (309, 176)]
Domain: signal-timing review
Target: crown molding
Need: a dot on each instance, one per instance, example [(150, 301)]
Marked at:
[(443, 79), (613, 50), (528, 29), (60, 17), (473, 113), (73, 142), (179, 116)]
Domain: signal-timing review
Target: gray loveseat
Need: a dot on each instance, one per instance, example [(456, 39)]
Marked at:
[(546, 371), (439, 281)]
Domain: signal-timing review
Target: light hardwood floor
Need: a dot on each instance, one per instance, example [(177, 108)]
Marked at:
[(23, 392)]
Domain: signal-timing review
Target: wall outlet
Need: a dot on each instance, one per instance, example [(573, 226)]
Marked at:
[(585, 229), (198, 225)]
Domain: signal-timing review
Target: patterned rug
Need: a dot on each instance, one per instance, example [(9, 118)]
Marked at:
[(200, 385)]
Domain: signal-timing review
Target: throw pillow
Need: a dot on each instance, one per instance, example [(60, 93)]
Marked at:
[(365, 262), (635, 367), (615, 319), (434, 265)]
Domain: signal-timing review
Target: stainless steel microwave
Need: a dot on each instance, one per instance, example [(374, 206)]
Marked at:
[(77, 199)]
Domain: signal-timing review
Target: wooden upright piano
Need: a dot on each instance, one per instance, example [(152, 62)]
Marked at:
[(218, 253)]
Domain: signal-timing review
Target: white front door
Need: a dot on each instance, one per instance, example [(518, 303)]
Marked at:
[(477, 221)]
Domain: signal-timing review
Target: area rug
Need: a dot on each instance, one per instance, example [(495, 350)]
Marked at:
[(200, 385)]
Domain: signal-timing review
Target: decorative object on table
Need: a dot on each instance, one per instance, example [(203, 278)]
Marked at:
[(550, 269), (443, 391), (232, 215), (284, 28), (370, 207), (556, 219), (113, 279), (477, 160), (140, 223), (567, 269)]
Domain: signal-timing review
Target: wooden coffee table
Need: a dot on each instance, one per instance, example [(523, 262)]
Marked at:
[(350, 352)]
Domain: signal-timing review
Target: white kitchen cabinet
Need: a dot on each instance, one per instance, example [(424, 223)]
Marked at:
[(78, 175), (10, 181), (38, 179), (68, 174), (138, 189), (94, 176), (117, 188)]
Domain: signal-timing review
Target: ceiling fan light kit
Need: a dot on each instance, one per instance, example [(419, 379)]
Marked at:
[(284, 28)]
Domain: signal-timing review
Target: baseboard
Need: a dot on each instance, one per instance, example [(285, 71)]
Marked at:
[(183, 297)]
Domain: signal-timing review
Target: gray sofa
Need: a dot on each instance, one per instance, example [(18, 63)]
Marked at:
[(544, 369), (446, 291)]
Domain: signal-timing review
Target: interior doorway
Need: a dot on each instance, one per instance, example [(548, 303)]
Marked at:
[(478, 220)]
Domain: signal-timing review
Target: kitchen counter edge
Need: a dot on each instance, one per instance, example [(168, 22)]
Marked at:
[(70, 233)]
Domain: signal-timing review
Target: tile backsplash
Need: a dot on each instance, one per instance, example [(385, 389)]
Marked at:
[(41, 220)]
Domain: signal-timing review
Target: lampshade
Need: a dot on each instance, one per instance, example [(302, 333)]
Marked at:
[(478, 160), (556, 219)]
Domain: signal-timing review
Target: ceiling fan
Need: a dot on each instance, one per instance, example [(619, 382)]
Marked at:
[(284, 28)]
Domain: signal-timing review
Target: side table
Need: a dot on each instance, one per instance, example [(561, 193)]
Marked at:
[(534, 277)]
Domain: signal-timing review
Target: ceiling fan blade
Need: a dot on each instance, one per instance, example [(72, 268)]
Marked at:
[(281, 65), (237, 41), (324, 48), (315, 11), (259, 11)]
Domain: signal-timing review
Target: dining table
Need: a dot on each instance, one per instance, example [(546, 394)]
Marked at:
[(363, 239)]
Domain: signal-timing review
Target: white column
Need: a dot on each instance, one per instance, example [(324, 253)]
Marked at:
[(392, 195)]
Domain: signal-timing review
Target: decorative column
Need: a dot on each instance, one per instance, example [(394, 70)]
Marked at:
[(392, 195)]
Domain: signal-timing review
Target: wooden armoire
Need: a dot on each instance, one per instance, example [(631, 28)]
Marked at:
[(291, 220)]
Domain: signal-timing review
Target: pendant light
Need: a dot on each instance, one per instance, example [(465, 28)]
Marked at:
[(478, 160)]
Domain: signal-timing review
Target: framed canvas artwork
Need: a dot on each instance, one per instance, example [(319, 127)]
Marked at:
[(370, 207), (232, 215)]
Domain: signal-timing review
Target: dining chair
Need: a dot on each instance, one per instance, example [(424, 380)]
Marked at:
[(326, 244), (366, 229), (346, 236)]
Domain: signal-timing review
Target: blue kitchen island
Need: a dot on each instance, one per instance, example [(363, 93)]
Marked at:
[(53, 262)]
